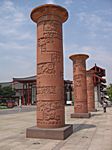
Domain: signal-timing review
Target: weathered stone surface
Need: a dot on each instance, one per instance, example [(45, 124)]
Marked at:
[(50, 133), (90, 91), (80, 115), (50, 83), (80, 84)]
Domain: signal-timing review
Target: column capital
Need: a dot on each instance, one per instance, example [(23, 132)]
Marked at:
[(49, 9), (79, 56)]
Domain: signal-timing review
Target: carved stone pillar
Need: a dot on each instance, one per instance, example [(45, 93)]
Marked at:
[(80, 86), (90, 91), (50, 82)]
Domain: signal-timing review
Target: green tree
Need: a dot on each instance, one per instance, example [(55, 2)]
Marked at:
[(109, 92), (1, 90), (7, 91)]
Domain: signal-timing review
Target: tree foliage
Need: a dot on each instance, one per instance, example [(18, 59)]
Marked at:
[(6, 91), (109, 91)]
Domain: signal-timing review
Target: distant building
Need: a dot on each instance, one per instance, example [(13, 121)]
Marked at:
[(26, 88), (4, 84), (99, 83)]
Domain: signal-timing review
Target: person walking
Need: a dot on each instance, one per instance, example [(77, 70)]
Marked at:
[(104, 106)]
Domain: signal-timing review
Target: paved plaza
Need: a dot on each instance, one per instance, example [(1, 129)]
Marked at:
[(89, 134)]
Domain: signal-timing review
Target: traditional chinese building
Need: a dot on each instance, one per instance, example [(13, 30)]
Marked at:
[(99, 83), (26, 90)]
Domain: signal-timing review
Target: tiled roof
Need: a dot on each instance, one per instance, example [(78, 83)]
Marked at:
[(31, 78)]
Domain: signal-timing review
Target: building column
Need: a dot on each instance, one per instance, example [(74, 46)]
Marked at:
[(33, 94), (28, 94), (23, 103), (90, 91), (80, 86), (50, 82)]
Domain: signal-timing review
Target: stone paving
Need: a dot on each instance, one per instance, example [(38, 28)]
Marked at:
[(89, 134), (17, 110)]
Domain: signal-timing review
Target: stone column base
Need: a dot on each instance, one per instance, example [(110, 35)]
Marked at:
[(50, 133), (94, 110), (81, 115)]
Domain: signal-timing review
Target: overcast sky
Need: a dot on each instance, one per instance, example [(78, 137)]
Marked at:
[(88, 30)]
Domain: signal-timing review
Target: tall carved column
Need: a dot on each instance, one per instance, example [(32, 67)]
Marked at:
[(90, 91), (80, 86), (50, 82)]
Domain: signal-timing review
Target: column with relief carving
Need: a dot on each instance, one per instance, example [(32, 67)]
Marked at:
[(80, 86), (90, 91), (50, 82)]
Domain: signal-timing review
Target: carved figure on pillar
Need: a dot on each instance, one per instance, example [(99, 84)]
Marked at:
[(80, 86), (50, 83), (90, 91)]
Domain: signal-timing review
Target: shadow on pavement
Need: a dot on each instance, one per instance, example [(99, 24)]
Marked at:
[(78, 127), (96, 115)]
